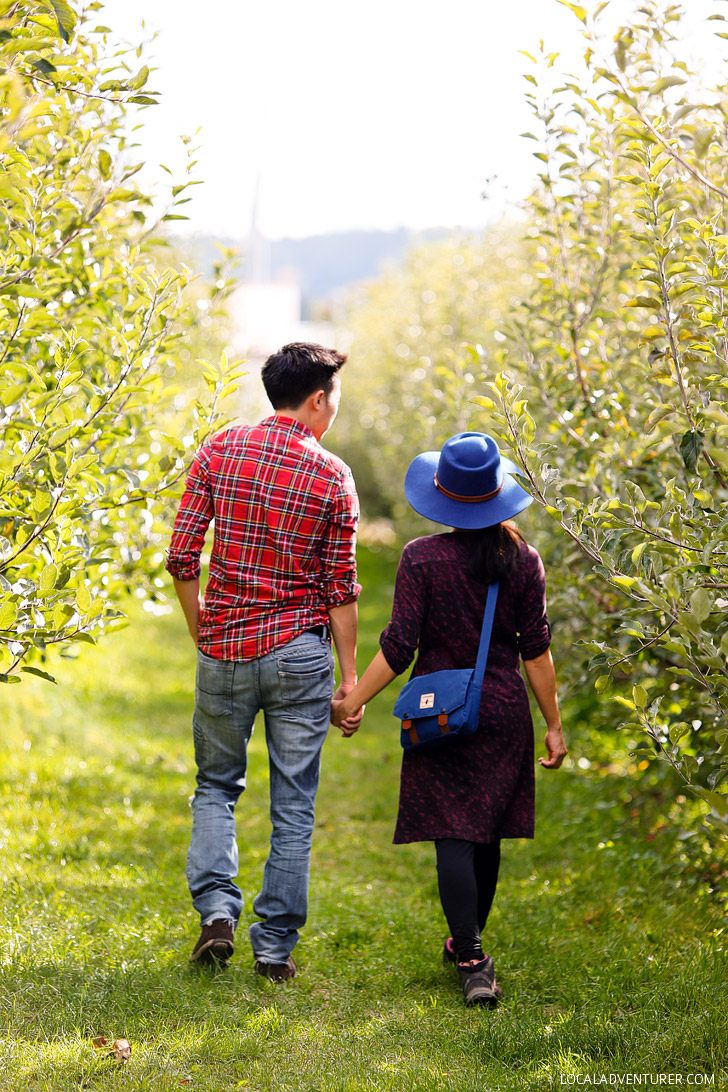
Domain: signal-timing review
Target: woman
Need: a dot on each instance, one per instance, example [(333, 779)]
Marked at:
[(469, 794)]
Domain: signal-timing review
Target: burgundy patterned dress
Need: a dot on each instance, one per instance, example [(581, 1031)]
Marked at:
[(481, 788)]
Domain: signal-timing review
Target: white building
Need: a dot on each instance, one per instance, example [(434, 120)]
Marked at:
[(265, 314)]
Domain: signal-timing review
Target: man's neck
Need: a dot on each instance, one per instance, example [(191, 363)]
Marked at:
[(294, 415)]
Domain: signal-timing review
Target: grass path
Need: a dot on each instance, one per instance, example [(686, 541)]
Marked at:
[(612, 961)]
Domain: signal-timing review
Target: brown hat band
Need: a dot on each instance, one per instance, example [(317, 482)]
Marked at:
[(469, 500)]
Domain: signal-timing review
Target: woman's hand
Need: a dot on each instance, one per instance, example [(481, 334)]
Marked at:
[(556, 748), (347, 723), (349, 702)]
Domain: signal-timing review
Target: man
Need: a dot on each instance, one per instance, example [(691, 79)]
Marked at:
[(282, 577)]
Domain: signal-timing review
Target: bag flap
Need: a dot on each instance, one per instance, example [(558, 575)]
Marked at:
[(429, 695)]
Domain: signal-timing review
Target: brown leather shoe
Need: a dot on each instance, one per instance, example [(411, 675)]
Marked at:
[(277, 972), (215, 943)]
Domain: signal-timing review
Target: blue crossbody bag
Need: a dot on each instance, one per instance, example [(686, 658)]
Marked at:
[(445, 705)]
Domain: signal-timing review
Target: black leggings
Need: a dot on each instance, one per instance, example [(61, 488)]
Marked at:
[(467, 874)]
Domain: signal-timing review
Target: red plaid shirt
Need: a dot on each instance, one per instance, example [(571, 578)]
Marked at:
[(285, 513)]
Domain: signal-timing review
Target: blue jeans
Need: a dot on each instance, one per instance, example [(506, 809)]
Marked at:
[(293, 685)]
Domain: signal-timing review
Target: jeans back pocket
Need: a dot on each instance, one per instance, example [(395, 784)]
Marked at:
[(214, 685), (306, 674)]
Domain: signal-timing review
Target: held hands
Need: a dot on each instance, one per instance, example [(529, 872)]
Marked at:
[(347, 720), (556, 747)]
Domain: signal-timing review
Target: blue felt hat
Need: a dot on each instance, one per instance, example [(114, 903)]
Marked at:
[(466, 485)]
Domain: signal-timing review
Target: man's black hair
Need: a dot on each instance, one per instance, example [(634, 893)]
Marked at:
[(298, 370)]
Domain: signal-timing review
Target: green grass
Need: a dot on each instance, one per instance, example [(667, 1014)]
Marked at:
[(612, 959)]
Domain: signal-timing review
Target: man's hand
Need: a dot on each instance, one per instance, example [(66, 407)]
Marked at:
[(556, 747), (347, 723)]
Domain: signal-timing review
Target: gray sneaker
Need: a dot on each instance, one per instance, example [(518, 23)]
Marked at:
[(479, 984)]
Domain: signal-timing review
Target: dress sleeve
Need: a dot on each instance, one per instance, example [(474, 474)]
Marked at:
[(534, 631), (399, 640)]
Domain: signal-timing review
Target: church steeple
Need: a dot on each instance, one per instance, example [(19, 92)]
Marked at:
[(257, 266)]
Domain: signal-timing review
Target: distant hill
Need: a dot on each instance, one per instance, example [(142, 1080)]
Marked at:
[(324, 264), (327, 263)]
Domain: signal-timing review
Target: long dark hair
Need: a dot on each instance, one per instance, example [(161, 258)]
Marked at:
[(495, 552)]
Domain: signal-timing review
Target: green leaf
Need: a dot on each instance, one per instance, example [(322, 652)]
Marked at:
[(639, 695), (704, 498), (61, 613), (44, 66), (682, 112), (646, 301), (8, 614), (41, 504), (665, 82), (658, 415), (577, 9), (24, 45), (637, 553), (65, 17), (689, 765), (37, 671), (677, 732), (104, 164), (83, 599), (700, 604), (603, 683), (140, 79), (718, 801), (47, 579), (690, 447)]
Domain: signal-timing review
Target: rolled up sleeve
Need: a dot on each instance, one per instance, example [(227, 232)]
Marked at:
[(196, 511), (338, 556), (534, 631)]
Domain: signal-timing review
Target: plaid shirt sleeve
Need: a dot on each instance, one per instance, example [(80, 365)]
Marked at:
[(195, 513), (338, 557)]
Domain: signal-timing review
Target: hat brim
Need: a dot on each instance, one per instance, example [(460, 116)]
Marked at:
[(426, 498)]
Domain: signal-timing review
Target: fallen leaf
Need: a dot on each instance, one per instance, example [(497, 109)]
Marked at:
[(121, 1050), (100, 1041)]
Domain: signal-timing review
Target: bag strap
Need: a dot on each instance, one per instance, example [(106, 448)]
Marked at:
[(485, 633)]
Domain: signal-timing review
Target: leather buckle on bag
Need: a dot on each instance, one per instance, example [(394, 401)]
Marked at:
[(407, 726), (442, 721)]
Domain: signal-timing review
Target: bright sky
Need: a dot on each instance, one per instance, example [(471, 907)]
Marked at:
[(375, 115)]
